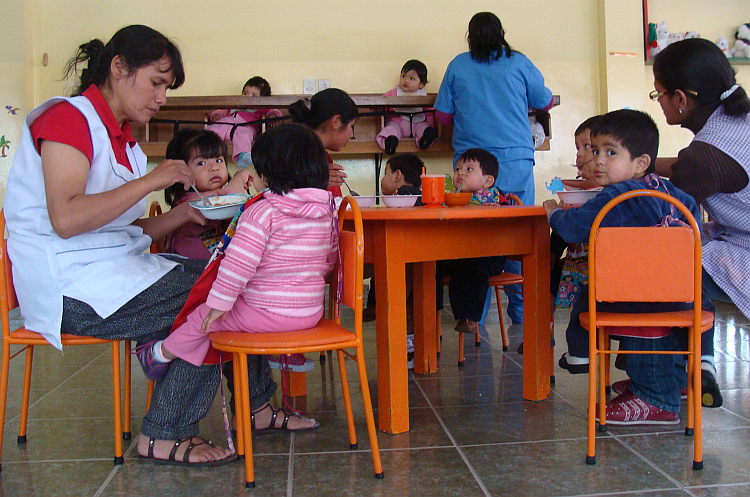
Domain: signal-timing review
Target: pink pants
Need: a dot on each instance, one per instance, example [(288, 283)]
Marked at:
[(244, 136), (400, 129), (188, 343)]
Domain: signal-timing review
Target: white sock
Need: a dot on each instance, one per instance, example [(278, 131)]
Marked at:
[(158, 352), (708, 366), (576, 361)]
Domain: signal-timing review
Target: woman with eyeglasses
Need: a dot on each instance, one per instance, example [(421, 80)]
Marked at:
[(696, 88)]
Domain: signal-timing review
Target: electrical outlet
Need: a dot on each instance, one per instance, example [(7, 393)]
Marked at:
[(308, 86), (323, 84)]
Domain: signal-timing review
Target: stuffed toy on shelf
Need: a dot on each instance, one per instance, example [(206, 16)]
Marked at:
[(742, 43)]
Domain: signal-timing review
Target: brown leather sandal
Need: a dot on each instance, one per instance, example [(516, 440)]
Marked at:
[(172, 461), (271, 428)]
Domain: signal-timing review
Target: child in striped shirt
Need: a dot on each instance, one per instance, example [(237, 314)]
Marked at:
[(272, 277)]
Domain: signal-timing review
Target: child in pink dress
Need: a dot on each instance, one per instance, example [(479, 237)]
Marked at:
[(272, 277), (242, 135), (204, 153)]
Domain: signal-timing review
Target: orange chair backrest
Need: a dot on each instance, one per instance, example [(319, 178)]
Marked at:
[(352, 250), (514, 199), (650, 264)]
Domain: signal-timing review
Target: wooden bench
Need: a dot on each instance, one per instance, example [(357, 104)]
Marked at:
[(192, 112)]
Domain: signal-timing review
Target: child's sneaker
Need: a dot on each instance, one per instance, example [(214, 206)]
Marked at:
[(710, 393), (410, 351), (629, 409), (292, 362), (621, 386), (152, 368)]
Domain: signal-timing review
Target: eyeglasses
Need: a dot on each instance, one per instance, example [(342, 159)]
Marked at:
[(656, 94)]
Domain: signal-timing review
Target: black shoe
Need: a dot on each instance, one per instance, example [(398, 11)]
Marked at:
[(428, 137), (368, 314), (710, 393), (390, 145), (572, 368)]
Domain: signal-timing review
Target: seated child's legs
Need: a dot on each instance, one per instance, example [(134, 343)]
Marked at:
[(242, 140), (653, 377), (390, 129), (468, 285), (576, 335)]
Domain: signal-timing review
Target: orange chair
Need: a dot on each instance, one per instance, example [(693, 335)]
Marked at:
[(670, 272), (326, 335), (28, 339)]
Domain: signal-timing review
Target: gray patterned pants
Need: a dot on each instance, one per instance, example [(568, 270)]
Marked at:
[(185, 394)]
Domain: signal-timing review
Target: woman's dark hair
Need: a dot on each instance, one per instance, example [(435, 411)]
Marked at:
[(290, 156), (259, 83), (701, 70), (322, 106), (185, 142), (418, 67), (486, 38), (137, 46)]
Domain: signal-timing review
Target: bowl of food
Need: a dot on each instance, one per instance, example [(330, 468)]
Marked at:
[(222, 206), (362, 200), (400, 200), (578, 197), (457, 199)]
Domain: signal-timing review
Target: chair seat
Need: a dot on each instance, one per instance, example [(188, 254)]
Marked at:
[(680, 319), (504, 279), (28, 337), (326, 335)]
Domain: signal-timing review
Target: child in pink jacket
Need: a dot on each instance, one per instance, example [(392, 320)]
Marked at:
[(242, 136), (415, 122), (272, 277)]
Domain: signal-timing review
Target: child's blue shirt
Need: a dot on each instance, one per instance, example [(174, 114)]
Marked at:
[(574, 224)]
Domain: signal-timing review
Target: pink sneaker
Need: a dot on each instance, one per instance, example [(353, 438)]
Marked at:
[(628, 409), (621, 386), (293, 362)]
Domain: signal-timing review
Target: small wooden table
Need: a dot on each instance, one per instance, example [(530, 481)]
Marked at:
[(395, 237)]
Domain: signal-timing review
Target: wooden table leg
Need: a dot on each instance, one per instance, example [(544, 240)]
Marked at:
[(390, 293), (425, 325)]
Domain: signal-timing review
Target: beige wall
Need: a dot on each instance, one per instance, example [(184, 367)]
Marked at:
[(360, 46)]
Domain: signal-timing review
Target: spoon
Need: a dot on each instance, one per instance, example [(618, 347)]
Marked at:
[(354, 194), (204, 200)]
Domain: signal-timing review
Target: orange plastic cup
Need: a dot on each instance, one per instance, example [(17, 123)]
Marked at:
[(433, 190)]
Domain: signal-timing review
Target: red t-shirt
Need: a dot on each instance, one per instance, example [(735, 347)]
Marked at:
[(63, 123), (336, 190)]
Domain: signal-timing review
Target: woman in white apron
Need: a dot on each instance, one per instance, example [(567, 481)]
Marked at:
[(76, 236), (696, 88)]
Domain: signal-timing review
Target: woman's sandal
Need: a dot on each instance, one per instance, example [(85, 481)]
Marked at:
[(271, 428), (171, 461)]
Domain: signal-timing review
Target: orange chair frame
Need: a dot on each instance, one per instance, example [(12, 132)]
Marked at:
[(651, 276), (326, 335), (29, 339)]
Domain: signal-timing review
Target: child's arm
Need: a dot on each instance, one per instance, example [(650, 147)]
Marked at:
[(218, 114), (271, 113), (574, 224), (212, 316), (240, 182)]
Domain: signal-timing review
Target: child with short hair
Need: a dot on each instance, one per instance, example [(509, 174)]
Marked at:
[(402, 176), (229, 122), (272, 277), (476, 172), (204, 152), (625, 143), (415, 122)]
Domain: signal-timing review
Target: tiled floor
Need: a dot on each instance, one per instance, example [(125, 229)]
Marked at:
[(471, 434)]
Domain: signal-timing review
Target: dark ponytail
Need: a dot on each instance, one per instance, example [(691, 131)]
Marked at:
[(486, 38), (137, 46), (325, 104), (701, 70)]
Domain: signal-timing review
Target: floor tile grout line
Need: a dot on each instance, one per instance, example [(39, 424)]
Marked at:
[(461, 453), (290, 468), (80, 369)]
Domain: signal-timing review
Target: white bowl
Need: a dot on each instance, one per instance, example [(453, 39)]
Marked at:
[(362, 200), (400, 200), (224, 206), (578, 197)]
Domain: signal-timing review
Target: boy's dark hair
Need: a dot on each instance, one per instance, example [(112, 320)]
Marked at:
[(290, 156), (418, 67), (700, 69), (487, 161), (203, 142), (586, 125), (486, 38), (259, 83), (634, 129), (410, 166)]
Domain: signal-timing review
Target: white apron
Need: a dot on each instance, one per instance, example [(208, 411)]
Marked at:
[(104, 268)]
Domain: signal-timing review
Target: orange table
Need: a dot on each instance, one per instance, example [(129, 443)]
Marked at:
[(395, 237)]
